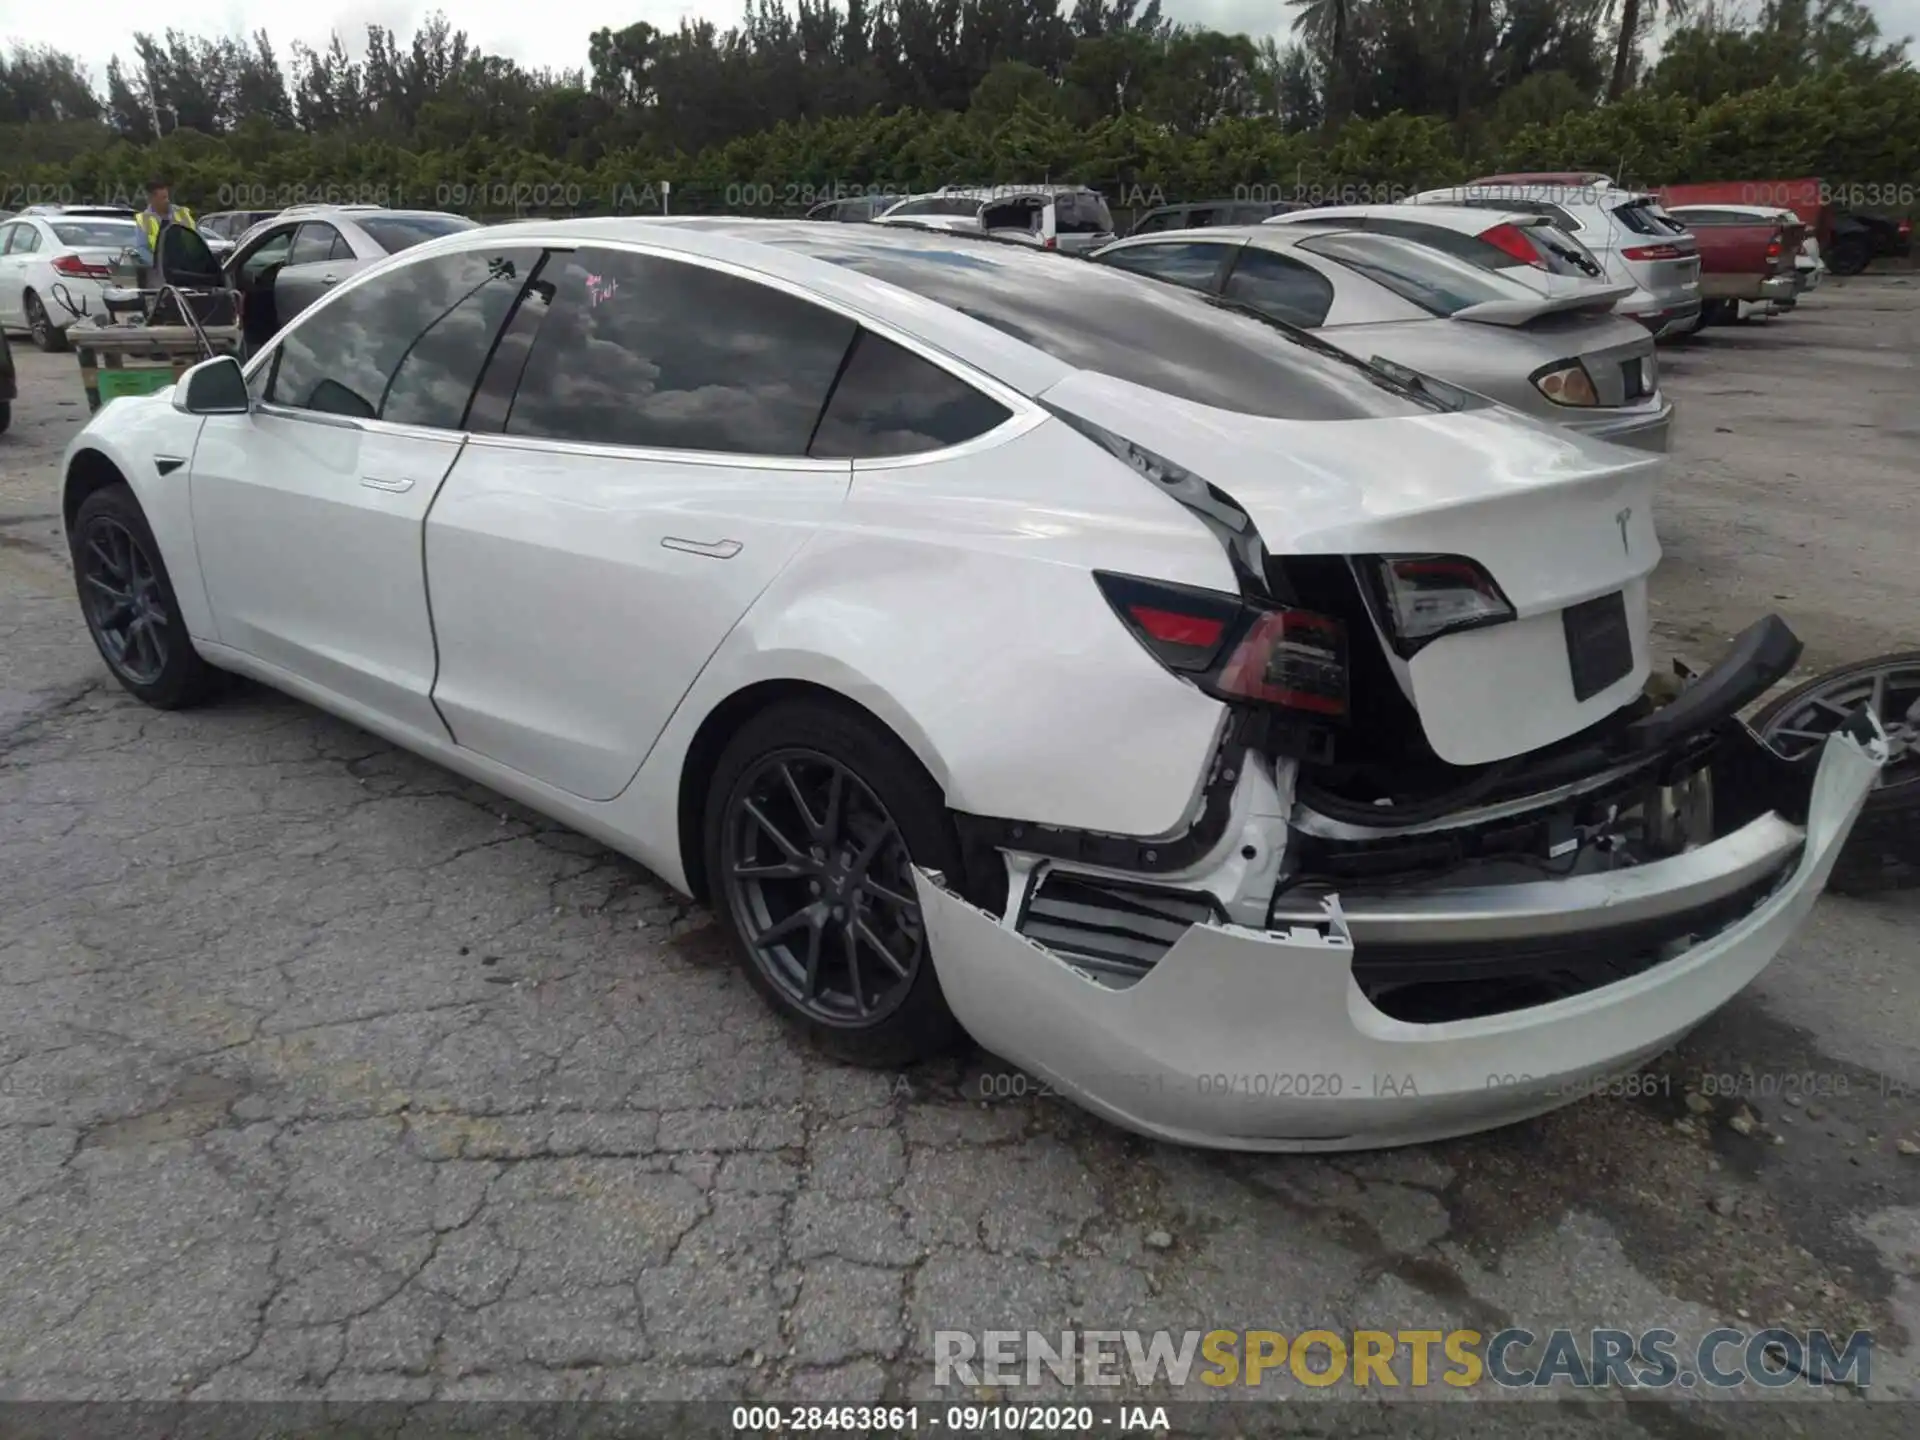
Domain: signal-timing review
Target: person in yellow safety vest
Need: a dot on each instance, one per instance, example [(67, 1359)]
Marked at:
[(160, 211)]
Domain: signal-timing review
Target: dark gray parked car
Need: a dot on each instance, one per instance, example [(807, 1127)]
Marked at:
[(290, 261)]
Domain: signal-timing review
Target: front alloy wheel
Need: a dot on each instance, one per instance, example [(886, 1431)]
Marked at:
[(820, 887), (128, 602), (120, 589)]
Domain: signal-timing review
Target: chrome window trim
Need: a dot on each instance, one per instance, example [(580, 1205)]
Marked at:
[(1024, 414), (714, 458)]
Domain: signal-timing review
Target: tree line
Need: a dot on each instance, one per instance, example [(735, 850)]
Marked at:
[(796, 101)]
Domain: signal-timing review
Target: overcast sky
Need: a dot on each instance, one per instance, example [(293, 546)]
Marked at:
[(553, 32)]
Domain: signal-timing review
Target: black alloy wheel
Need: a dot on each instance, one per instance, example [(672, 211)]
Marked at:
[(816, 817), (129, 604), (1883, 852), (120, 589), (820, 888)]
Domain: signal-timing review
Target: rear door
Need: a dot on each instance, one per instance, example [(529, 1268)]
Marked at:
[(319, 259), (649, 479), (308, 512)]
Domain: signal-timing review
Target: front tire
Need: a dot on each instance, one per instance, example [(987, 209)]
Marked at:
[(41, 327), (128, 600), (815, 818)]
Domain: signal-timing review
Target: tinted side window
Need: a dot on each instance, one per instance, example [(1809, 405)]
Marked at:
[(26, 240), (1160, 220), (1192, 263), (1282, 288), (644, 351), (312, 242), (891, 402), (406, 346), (270, 251)]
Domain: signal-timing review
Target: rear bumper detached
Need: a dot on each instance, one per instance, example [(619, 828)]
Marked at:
[(1262, 1039)]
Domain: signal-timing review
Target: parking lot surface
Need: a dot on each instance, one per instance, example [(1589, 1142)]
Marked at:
[(324, 1073)]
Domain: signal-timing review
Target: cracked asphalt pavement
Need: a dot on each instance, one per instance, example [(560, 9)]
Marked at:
[(325, 1074)]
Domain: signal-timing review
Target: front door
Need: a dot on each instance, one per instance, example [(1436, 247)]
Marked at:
[(651, 480), (309, 512)]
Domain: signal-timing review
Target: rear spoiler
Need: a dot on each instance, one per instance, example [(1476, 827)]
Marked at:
[(1522, 312)]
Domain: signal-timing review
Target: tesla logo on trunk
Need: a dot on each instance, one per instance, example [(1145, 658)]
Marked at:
[(1621, 520)]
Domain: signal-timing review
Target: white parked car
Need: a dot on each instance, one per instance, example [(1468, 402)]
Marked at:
[(1625, 230), (1241, 741), (55, 265)]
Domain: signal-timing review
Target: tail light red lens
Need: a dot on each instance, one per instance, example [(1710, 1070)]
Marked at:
[(1653, 252), (1774, 247), (1233, 650), (1291, 658), (78, 269), (1513, 240), (1905, 228), (1418, 598)]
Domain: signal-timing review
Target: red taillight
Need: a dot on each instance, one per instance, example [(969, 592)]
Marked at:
[(1234, 650), (1653, 252), (1774, 247), (1170, 627), (1292, 658), (1905, 228), (1513, 240), (74, 266)]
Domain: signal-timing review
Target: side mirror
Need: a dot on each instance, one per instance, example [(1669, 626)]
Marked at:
[(214, 387)]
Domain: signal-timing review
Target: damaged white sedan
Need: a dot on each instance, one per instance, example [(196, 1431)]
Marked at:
[(1254, 745)]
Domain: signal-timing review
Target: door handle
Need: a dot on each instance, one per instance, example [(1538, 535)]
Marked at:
[(398, 487), (713, 549)]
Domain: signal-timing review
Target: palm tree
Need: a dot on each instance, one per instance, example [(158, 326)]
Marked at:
[(1329, 27), (1631, 17)]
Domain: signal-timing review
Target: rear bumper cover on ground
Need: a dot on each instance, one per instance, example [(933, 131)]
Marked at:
[(1254, 1039)]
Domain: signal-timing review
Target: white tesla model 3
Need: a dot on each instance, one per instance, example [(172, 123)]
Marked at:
[(1254, 746)]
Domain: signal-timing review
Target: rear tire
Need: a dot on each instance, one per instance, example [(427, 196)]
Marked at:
[(40, 325), (127, 598), (1883, 852), (833, 942), (1848, 257)]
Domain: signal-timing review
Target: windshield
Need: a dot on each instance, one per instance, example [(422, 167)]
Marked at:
[(394, 233), (1439, 283), (1152, 334), (96, 232)]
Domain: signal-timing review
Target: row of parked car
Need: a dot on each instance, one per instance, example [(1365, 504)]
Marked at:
[(1545, 291)]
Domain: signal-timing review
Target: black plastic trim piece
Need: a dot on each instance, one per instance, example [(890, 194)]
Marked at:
[(1762, 655)]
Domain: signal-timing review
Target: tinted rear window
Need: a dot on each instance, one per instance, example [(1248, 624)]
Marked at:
[(394, 233), (1563, 254), (1160, 336), (891, 402), (1644, 217), (96, 232), (1438, 283)]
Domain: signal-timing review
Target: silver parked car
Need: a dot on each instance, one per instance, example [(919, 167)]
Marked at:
[(1549, 348), (284, 264), (1071, 218), (1636, 241)]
